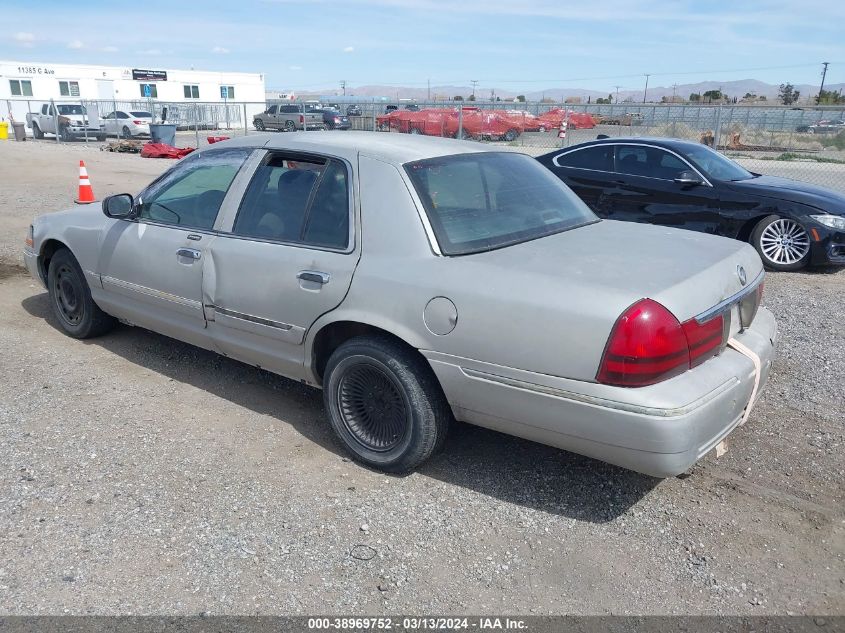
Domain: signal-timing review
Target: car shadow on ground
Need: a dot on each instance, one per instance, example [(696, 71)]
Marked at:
[(494, 464)]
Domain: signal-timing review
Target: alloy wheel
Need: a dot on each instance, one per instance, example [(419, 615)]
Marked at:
[(784, 242)]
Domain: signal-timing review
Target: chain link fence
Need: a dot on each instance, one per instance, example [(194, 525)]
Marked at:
[(805, 143)]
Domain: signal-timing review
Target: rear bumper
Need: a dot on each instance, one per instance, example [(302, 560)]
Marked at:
[(660, 430)]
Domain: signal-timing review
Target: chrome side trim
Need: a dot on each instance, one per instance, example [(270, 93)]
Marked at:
[(151, 292), (602, 402), (254, 319), (728, 303)]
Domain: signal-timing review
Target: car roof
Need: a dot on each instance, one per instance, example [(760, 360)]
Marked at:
[(386, 146)]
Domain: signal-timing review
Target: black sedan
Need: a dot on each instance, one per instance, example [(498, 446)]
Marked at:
[(332, 118), (353, 110), (688, 185)]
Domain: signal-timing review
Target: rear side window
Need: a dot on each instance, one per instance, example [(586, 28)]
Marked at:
[(291, 200), (650, 162), (486, 200), (596, 158)]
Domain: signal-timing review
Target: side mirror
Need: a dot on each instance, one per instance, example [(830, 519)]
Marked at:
[(119, 206), (688, 178)]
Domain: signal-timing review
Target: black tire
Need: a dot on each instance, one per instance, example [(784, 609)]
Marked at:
[(258, 124), (384, 127), (65, 133), (511, 135), (36, 131), (101, 137), (290, 126), (126, 132), (385, 404), (799, 243), (70, 299)]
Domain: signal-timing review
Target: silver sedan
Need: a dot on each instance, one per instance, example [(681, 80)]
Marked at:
[(420, 280)]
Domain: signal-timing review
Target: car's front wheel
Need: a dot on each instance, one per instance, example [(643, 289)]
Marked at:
[(70, 298), (384, 403), (258, 124), (782, 243)]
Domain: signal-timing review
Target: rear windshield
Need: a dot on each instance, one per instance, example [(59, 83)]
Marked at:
[(141, 114), (486, 200)]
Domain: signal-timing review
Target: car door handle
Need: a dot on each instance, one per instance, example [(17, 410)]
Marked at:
[(188, 253), (314, 275)]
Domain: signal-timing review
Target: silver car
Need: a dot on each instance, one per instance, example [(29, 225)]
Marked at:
[(420, 280)]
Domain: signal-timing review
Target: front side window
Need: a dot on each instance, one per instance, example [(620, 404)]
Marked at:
[(715, 165), (20, 87), (191, 92), (191, 193), (597, 158), (297, 201), (650, 162), (485, 200)]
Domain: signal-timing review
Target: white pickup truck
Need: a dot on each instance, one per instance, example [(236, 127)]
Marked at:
[(72, 119)]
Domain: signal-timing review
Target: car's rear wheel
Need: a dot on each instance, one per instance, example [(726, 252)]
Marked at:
[(384, 127), (36, 131), (258, 124), (384, 403), (782, 243), (127, 133), (290, 126), (70, 298), (511, 134)]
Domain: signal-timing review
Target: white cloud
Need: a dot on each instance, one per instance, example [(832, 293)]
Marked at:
[(349, 49), (149, 51), (294, 67), (220, 49), (75, 44), (25, 39), (110, 49)]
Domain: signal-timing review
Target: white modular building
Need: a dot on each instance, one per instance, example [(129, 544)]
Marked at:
[(26, 85)]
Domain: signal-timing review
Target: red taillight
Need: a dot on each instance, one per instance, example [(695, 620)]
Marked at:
[(648, 345), (704, 339), (138, 122), (337, 119), (301, 119)]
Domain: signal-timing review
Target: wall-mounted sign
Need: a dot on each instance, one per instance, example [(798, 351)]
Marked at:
[(149, 75)]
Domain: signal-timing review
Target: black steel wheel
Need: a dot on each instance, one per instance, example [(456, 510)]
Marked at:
[(258, 124), (384, 403), (70, 298), (127, 133)]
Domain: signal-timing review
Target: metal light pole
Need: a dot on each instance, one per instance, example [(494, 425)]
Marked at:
[(645, 90), (617, 93), (473, 82)]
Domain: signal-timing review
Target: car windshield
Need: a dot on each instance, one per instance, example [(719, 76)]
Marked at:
[(715, 165), (71, 109), (485, 200), (141, 114)]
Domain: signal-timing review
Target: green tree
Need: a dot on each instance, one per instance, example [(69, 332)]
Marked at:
[(713, 95), (788, 94), (471, 98), (457, 98), (520, 98), (695, 96)]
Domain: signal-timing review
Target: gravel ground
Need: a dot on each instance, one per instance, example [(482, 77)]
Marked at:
[(141, 475)]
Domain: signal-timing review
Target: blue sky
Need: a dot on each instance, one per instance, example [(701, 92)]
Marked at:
[(508, 44)]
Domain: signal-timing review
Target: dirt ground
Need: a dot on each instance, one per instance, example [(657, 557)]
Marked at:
[(141, 475)]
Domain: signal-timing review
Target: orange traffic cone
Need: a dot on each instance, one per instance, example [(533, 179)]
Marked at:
[(86, 193)]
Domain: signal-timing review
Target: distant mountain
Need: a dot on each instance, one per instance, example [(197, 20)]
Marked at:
[(738, 88)]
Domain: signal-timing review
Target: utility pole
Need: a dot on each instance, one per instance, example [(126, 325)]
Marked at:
[(428, 82), (473, 82), (674, 88), (645, 90), (343, 86), (617, 93), (821, 90)]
